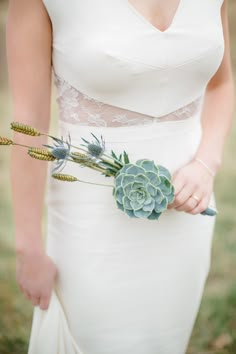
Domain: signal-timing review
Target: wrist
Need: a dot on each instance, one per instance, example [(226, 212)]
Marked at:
[(26, 245), (211, 164)]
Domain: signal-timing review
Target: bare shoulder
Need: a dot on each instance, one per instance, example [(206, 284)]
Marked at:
[(32, 8), (224, 13), (29, 53), (225, 73)]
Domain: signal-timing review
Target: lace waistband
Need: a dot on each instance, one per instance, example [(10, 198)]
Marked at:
[(77, 108)]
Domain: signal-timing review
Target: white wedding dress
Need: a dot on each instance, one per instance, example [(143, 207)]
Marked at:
[(126, 285)]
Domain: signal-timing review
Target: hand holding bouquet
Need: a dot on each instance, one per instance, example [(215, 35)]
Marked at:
[(141, 189)]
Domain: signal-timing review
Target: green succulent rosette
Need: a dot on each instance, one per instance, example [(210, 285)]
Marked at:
[(143, 189)]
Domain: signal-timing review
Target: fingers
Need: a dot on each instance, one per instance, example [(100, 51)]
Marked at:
[(44, 301), (185, 200), (24, 292), (189, 204), (37, 300), (183, 197), (202, 205), (178, 186), (177, 182)]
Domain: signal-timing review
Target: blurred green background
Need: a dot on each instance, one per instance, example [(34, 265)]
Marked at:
[(215, 329)]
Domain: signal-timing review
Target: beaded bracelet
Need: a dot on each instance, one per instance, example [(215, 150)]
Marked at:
[(206, 166)]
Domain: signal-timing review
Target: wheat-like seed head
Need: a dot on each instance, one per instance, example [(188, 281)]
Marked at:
[(83, 159), (64, 177), (24, 129), (39, 156), (5, 141), (93, 164), (44, 152), (78, 154)]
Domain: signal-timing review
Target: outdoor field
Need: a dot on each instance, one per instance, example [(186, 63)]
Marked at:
[(215, 329)]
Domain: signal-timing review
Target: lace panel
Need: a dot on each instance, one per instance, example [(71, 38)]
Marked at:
[(77, 108)]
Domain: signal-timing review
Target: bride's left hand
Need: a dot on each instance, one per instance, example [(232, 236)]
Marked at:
[(192, 179)]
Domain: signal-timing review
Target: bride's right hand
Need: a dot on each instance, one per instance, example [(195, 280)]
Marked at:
[(35, 276)]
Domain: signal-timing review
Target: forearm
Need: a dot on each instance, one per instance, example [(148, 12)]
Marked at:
[(29, 53), (28, 177), (217, 116)]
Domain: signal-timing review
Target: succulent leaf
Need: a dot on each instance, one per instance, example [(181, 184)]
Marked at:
[(164, 172), (119, 194), (134, 170), (142, 213), (127, 179), (143, 189)]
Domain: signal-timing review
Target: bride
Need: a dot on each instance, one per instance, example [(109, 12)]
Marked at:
[(155, 78)]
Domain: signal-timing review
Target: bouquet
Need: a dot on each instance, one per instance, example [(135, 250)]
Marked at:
[(141, 189)]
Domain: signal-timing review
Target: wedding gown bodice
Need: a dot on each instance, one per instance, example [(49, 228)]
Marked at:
[(113, 67), (77, 108)]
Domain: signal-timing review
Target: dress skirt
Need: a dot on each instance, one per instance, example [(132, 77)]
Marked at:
[(124, 285)]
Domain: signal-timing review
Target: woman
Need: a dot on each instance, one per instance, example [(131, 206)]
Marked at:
[(155, 79)]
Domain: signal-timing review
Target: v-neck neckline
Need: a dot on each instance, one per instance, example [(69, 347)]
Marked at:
[(149, 24)]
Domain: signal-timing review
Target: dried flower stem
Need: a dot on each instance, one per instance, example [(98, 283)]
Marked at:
[(70, 178), (92, 165), (110, 159), (29, 130), (81, 158)]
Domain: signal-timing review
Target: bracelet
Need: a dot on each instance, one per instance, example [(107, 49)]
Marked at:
[(206, 166)]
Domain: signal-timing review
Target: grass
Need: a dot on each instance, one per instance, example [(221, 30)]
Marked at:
[(215, 329)]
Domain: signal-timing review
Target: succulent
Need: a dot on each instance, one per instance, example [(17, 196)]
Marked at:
[(143, 189)]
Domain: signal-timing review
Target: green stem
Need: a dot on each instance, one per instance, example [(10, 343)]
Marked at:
[(22, 145), (98, 184), (114, 159), (111, 159), (96, 168)]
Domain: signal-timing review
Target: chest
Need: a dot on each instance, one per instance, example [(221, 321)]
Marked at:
[(116, 33), (158, 13)]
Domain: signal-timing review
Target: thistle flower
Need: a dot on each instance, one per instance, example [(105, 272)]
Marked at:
[(95, 148), (24, 129), (5, 141), (60, 151)]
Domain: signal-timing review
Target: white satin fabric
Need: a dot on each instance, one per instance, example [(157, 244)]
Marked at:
[(125, 285), (50, 331), (106, 50)]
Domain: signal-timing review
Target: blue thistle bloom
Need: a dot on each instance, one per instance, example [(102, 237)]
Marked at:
[(95, 148), (61, 151)]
